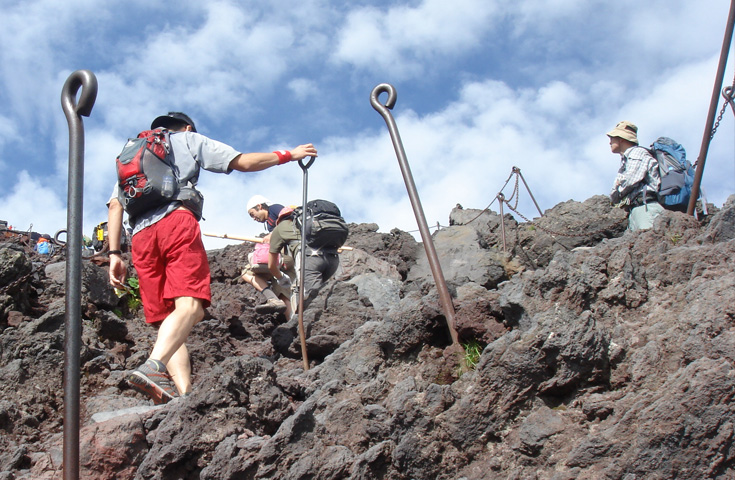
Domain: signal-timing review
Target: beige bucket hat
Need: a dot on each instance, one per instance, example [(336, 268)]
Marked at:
[(626, 131)]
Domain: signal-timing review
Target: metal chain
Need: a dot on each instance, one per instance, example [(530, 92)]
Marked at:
[(722, 111), (719, 119), (515, 196), (490, 204), (16, 282)]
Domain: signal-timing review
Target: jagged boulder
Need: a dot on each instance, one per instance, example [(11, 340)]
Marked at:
[(565, 226), (15, 270), (465, 261)]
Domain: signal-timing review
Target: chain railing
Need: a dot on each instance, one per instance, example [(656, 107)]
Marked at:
[(727, 94), (512, 204)]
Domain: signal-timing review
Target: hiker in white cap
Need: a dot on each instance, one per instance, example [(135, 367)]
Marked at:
[(637, 183), (256, 273), (262, 210)]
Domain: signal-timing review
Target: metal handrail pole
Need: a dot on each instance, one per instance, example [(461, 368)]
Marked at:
[(302, 261), (707, 137), (441, 284), (518, 171), (501, 199), (73, 110)]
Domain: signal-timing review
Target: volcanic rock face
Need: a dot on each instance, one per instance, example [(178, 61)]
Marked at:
[(605, 354)]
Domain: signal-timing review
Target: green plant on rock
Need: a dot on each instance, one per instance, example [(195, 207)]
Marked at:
[(134, 300), (675, 238), (472, 350), (131, 290)]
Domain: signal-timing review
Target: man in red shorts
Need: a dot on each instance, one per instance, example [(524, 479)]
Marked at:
[(169, 256)]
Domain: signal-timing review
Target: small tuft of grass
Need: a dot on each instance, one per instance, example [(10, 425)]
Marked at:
[(472, 350)]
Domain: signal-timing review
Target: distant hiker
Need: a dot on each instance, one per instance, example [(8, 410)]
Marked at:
[(257, 272), (637, 183), (320, 265), (168, 253), (44, 246)]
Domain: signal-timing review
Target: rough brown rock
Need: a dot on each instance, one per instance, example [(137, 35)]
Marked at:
[(606, 355)]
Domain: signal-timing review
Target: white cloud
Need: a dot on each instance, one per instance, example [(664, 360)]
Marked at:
[(31, 202), (304, 89), (401, 39), (483, 87), (7, 133), (559, 100)]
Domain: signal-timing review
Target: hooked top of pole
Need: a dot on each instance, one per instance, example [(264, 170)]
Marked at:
[(727, 93), (88, 82), (383, 88), (305, 166)]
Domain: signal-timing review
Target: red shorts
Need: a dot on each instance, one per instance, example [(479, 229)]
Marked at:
[(171, 262)]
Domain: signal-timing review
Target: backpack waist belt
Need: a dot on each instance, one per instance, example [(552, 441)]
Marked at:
[(638, 201)]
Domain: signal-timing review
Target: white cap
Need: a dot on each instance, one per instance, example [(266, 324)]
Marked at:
[(256, 200)]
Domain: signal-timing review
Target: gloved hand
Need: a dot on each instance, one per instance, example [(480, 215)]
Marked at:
[(284, 282)]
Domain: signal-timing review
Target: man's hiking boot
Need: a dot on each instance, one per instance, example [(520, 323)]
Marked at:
[(152, 379), (273, 305)]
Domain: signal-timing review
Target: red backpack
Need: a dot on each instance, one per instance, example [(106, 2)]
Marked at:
[(148, 177)]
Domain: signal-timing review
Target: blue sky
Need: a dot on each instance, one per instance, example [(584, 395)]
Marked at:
[(483, 85)]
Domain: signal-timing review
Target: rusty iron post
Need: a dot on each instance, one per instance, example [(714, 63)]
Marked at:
[(73, 110), (517, 171), (707, 137), (302, 260), (436, 270), (501, 199)]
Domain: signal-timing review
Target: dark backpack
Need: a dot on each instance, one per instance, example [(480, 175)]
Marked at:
[(148, 177), (677, 174), (99, 235), (99, 238), (326, 230)]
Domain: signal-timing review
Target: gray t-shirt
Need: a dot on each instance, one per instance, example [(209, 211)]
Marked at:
[(192, 151)]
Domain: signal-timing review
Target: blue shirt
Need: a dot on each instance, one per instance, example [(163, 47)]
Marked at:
[(273, 211)]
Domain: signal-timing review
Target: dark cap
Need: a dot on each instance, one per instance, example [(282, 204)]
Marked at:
[(173, 118)]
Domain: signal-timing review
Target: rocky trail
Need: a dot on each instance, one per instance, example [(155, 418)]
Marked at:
[(600, 354)]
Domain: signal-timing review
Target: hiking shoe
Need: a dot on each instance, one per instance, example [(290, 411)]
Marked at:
[(152, 379), (273, 305)]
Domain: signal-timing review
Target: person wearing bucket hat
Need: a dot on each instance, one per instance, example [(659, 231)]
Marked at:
[(169, 256), (257, 273), (636, 185)]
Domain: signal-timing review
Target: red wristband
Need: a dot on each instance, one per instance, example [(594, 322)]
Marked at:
[(284, 156)]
